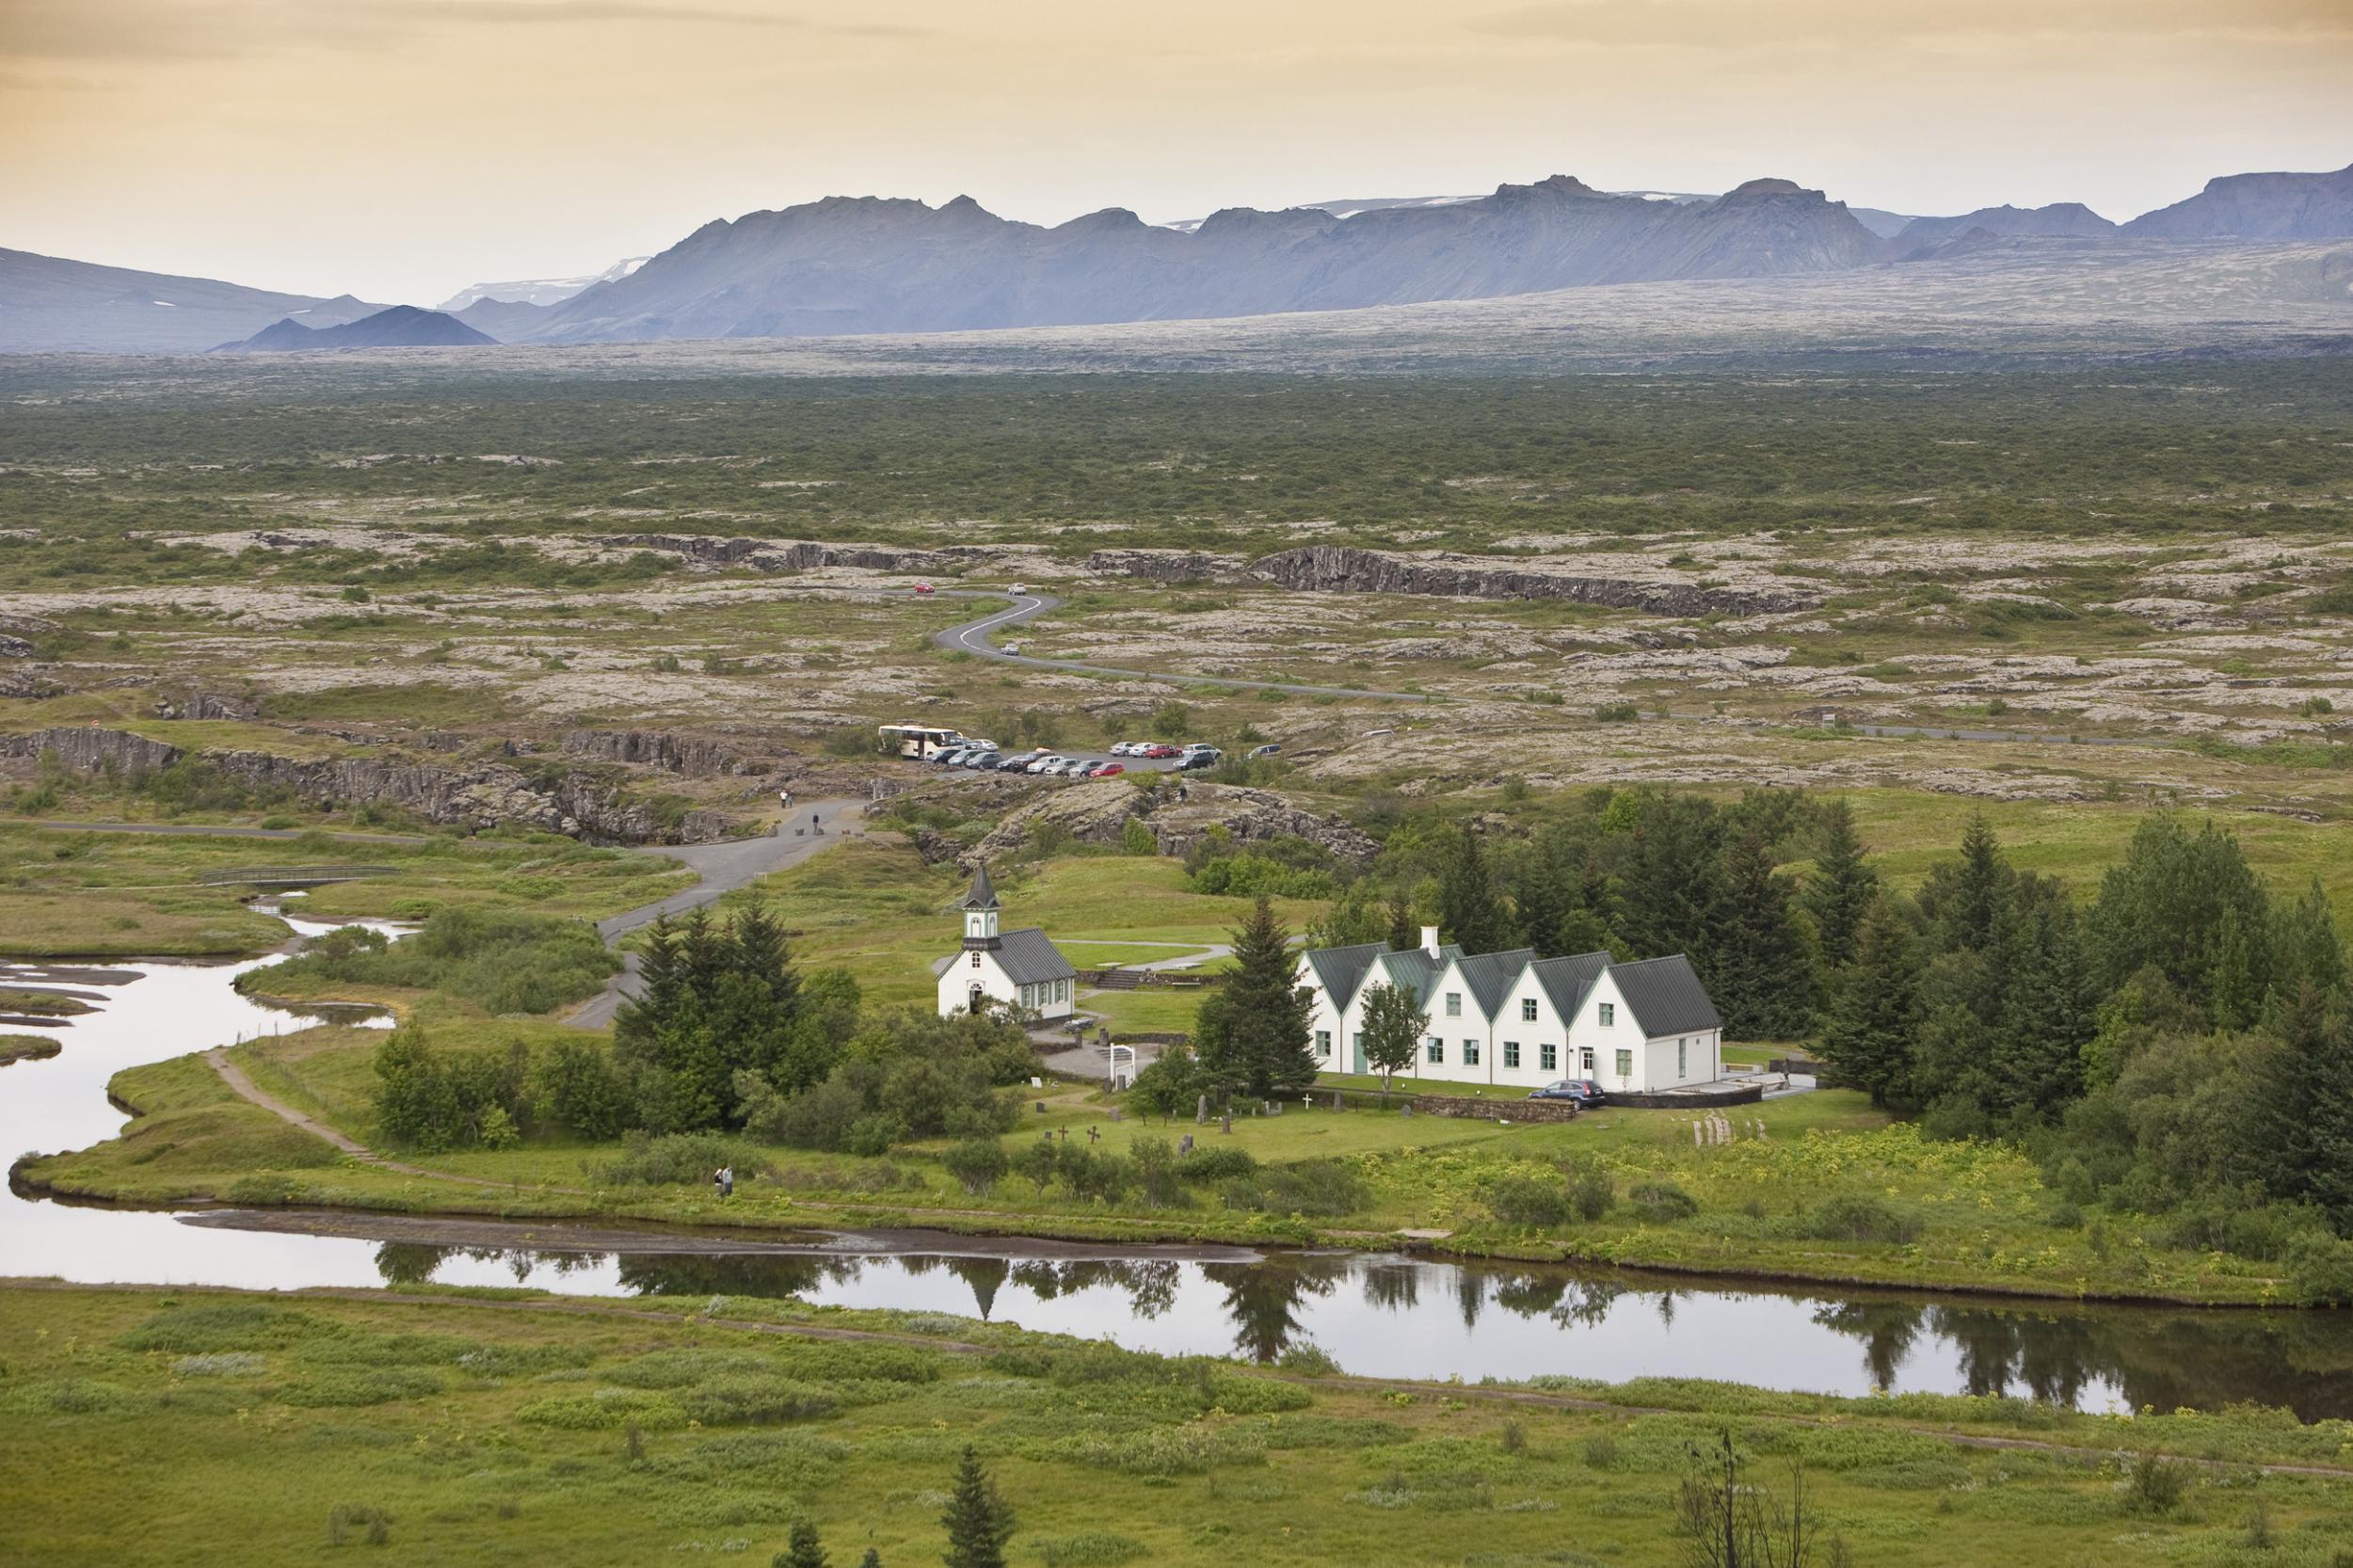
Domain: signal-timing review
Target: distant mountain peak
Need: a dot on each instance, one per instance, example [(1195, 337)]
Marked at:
[(1755, 188), (401, 327)]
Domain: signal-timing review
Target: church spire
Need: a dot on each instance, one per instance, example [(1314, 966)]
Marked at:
[(983, 895), (979, 912)]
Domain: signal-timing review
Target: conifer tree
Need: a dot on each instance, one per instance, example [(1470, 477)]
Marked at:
[(1842, 885), (1470, 912), (1874, 1026), (1968, 895), (1266, 1008), (1404, 931), (2303, 1139), (1759, 971), (803, 1550), (1670, 878), (979, 1522), (2308, 949), (2046, 1011)]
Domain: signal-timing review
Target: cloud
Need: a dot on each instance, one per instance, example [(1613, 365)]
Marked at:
[(222, 29), (1721, 25)]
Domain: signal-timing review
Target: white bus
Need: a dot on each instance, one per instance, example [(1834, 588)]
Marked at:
[(921, 740)]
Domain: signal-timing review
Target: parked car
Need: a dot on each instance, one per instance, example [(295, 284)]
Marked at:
[(1123, 748), (1272, 748), (1107, 770), (1044, 764), (952, 756), (1579, 1090), (1207, 757), (1019, 763), (983, 760), (922, 588), (1158, 748)]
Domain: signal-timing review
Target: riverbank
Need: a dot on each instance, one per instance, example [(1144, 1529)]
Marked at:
[(471, 1426), (1973, 1218)]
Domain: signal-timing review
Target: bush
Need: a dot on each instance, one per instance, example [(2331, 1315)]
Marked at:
[(1519, 1199), (1323, 1189), (1662, 1202), (2320, 1271), (1208, 1162), (501, 960), (1858, 1217), (2155, 1485), (1590, 1194), (579, 1088), (682, 1157), (978, 1164), (1617, 712)]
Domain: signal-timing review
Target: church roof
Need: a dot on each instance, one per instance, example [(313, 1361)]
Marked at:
[(983, 895), (1029, 956)]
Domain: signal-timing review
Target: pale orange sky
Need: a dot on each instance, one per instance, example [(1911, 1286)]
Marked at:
[(401, 148)]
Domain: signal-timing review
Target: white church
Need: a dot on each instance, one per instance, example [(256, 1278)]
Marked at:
[(1020, 969), (1515, 1019)]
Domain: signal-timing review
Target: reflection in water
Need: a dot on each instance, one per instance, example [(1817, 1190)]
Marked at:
[(1412, 1317)]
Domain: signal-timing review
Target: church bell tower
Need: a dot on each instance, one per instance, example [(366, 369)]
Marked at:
[(980, 913)]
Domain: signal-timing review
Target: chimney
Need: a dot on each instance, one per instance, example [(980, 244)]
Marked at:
[(1430, 940)]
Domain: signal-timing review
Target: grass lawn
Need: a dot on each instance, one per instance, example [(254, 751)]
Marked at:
[(1084, 954), (479, 1428)]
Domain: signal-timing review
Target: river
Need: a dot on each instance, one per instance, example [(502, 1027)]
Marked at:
[(1375, 1314)]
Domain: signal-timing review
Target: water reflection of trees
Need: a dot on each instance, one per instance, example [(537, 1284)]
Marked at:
[(415, 1262), (1263, 1298)]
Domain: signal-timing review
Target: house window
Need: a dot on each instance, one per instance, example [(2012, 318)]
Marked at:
[(1680, 1068), (1626, 1064), (1454, 1005), (1323, 1042), (1527, 1010), (1437, 1050), (976, 958), (1547, 1057), (1510, 1053), (1608, 1013), (1470, 1054)]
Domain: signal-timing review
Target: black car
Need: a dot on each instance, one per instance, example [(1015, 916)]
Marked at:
[(1578, 1090), (1019, 763)]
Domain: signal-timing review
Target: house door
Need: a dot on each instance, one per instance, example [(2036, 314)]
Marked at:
[(1358, 1053), (976, 1002), (1585, 1060)]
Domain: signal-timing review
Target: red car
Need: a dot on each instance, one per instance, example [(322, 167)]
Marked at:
[(1108, 770), (922, 588), (1163, 749)]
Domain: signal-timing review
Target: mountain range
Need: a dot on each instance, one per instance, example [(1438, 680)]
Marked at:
[(866, 265)]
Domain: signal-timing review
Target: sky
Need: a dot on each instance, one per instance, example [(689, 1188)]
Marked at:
[(401, 148)]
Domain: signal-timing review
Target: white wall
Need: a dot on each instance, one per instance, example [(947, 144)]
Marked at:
[(1547, 1030), (957, 979)]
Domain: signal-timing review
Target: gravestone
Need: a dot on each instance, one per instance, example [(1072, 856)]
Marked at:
[(1184, 1144), (1201, 1112), (1226, 1124)]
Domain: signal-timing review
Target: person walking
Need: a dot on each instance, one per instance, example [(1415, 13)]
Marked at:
[(726, 1181), (719, 1182)]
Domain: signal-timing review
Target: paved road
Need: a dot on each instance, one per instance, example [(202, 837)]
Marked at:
[(972, 637), (723, 868)]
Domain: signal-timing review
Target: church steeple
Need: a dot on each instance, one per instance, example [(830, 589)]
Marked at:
[(980, 911)]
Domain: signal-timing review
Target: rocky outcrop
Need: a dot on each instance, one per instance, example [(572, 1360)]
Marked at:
[(710, 550), (204, 705), (694, 756), (14, 648), (1098, 814), (1165, 565), (1340, 568), (481, 796)]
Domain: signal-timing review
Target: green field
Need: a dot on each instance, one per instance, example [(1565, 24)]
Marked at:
[(502, 1425)]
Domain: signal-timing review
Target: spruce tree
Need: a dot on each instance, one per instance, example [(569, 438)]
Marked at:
[(1874, 1026), (871, 1560), (1404, 931), (978, 1521), (1968, 894), (803, 1550), (1760, 974), (2308, 949), (1670, 878), (1266, 1008), (1842, 885), (2045, 1014), (1470, 912), (2303, 1139)]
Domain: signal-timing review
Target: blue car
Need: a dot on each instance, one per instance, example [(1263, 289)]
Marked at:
[(1580, 1091)]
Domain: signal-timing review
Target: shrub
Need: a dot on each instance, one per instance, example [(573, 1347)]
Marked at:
[(2155, 1485), (1090, 1546), (978, 1164), (681, 1156), (1519, 1199), (223, 1326), (501, 960), (1590, 1194), (1309, 1359), (1662, 1202), (1858, 1217), (1617, 712), (1208, 1162), (1316, 1187), (579, 1088)]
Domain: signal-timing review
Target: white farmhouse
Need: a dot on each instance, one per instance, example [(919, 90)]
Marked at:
[(1020, 969), (1518, 1020)]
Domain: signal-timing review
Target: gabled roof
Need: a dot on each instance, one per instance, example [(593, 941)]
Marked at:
[(1414, 969), (1029, 956), (1340, 971), (984, 893), (1491, 976), (1666, 995), (1566, 979)]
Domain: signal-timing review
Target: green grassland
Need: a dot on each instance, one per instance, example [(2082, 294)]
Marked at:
[(466, 1428), (89, 893)]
